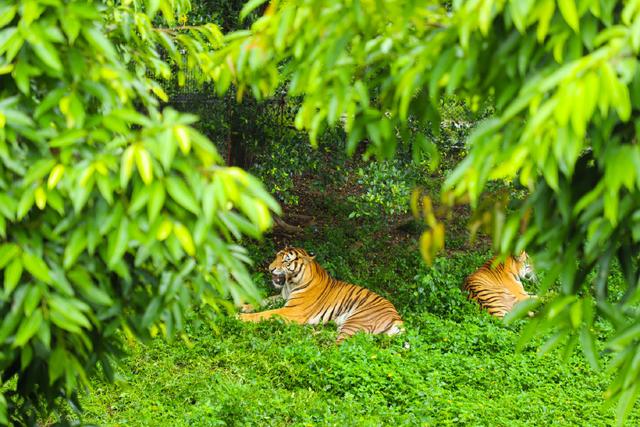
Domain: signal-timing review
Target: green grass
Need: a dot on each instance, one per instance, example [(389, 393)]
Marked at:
[(460, 367), (453, 373)]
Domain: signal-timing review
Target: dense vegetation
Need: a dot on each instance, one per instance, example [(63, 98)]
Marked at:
[(120, 221), (459, 366), (382, 69), (115, 213)]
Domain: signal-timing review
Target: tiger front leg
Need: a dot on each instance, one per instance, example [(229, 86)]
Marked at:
[(284, 313), (272, 300)]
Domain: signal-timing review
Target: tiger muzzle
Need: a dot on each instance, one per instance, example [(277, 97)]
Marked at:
[(278, 280)]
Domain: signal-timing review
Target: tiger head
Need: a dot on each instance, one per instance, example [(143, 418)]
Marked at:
[(289, 266), (521, 266)]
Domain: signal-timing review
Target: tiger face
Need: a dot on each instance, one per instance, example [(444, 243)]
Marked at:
[(288, 266), (524, 267)]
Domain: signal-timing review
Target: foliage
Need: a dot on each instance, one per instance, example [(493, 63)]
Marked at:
[(386, 188), (454, 373), (114, 215), (378, 66), (460, 367), (282, 154)]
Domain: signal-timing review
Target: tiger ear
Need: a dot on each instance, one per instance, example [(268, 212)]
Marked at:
[(312, 255), (523, 256)]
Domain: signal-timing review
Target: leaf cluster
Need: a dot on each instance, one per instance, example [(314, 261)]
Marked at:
[(115, 215)]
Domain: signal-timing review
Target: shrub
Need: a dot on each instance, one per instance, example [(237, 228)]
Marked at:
[(114, 215)]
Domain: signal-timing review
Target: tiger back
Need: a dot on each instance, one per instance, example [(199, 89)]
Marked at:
[(499, 288), (313, 297)]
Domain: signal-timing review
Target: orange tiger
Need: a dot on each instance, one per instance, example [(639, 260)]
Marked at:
[(498, 288), (312, 297)]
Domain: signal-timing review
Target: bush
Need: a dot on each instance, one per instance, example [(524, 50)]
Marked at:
[(114, 215), (386, 187)]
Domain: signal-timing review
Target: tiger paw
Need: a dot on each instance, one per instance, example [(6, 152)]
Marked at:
[(246, 308)]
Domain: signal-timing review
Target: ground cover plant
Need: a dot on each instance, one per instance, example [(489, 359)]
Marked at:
[(121, 218), (382, 69), (454, 366)]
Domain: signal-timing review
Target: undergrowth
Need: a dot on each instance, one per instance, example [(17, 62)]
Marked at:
[(455, 365)]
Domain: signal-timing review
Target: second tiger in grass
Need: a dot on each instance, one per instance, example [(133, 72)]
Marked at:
[(497, 287), (313, 297)]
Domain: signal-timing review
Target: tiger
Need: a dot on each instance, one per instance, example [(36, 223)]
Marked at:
[(498, 288), (313, 296)]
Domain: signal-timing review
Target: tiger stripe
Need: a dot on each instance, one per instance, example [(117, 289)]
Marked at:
[(499, 288)]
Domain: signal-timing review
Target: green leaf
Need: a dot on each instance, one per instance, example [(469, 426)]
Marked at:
[(575, 314), (105, 187), (156, 201), (184, 237), (8, 206), (37, 267), (59, 281), (144, 164), (139, 198), (4, 418), (152, 7), (182, 135), (151, 313), (522, 309), (32, 299), (77, 244), (126, 166), (249, 7), (48, 102), (625, 337), (40, 196), (181, 194), (209, 202), (48, 54), (118, 243), (10, 323), (570, 13), (26, 202), (164, 230), (71, 27), (589, 348), (38, 170), (28, 328), (545, 15), (12, 275), (167, 11), (626, 402), (169, 148), (67, 315), (7, 13), (57, 364), (70, 137), (555, 340), (55, 176), (8, 252), (84, 283), (100, 42)]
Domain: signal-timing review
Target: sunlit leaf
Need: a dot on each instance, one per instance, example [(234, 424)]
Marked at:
[(36, 266)]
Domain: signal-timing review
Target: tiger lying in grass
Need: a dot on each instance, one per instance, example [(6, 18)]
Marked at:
[(499, 288), (313, 297)]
